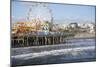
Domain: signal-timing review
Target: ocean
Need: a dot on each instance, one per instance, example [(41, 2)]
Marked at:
[(74, 50)]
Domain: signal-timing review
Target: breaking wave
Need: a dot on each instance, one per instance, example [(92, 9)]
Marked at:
[(72, 51)]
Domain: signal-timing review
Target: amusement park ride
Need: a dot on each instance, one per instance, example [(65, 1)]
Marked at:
[(39, 18)]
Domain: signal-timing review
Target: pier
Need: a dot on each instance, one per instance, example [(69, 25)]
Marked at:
[(26, 40)]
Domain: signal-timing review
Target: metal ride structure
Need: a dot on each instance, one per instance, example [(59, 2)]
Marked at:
[(39, 11)]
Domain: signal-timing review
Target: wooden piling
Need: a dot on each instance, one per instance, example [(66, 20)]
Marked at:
[(35, 40)]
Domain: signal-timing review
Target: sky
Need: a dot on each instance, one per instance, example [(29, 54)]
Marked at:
[(61, 13)]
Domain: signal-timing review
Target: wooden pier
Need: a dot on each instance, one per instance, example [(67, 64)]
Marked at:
[(36, 40)]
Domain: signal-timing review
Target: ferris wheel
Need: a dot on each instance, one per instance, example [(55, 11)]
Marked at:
[(39, 11)]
